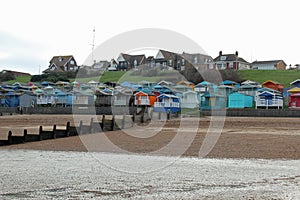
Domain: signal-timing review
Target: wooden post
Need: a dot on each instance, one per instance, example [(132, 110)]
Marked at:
[(133, 117), (123, 122), (159, 115), (41, 133), (54, 129), (25, 135), (80, 128), (91, 125), (68, 129), (113, 123), (9, 137), (168, 115), (103, 121)]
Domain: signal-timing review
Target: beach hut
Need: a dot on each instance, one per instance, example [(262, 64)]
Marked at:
[(205, 86), (189, 99), (122, 98), (248, 89), (181, 88), (249, 82), (187, 84), (144, 99), (294, 97), (238, 100), (273, 85), (268, 98), (165, 83), (45, 99), (103, 98), (212, 101), (27, 100), (230, 83), (225, 90), (167, 103), (295, 83)]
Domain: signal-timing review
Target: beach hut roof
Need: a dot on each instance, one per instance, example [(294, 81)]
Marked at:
[(48, 87), (228, 82), (93, 82), (294, 90)]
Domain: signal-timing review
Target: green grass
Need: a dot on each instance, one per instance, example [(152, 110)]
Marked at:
[(20, 79), (282, 76), (120, 76), (85, 80)]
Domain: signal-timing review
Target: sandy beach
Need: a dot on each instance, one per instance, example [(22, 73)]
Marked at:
[(268, 138)]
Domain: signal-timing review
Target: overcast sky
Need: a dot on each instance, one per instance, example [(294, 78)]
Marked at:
[(33, 31)]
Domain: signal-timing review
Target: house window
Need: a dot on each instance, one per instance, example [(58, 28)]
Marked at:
[(170, 62), (195, 60), (135, 63), (60, 59), (72, 62), (223, 58), (183, 62)]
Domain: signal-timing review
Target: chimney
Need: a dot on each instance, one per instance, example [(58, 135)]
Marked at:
[(236, 53), (220, 53)]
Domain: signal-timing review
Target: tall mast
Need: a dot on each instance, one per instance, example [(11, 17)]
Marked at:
[(93, 46)]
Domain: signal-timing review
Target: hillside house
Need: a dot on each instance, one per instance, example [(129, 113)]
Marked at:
[(170, 61), (230, 61), (269, 65), (199, 61), (128, 62), (62, 64)]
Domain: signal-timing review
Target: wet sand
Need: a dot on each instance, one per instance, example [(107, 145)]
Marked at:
[(268, 138)]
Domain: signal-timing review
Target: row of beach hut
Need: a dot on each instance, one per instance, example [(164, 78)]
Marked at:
[(164, 96)]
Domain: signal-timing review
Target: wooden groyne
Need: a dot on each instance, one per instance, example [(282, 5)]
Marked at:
[(92, 127)]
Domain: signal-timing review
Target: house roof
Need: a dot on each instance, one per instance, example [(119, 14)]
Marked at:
[(269, 62), (229, 57), (131, 58), (168, 55), (270, 81), (15, 72), (61, 60), (197, 58)]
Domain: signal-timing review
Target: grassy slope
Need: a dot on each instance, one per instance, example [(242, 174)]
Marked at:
[(20, 79), (285, 77)]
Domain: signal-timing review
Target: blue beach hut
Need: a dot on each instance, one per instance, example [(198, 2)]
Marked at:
[(238, 100)]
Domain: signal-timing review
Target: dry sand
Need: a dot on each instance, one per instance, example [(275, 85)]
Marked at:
[(242, 137)]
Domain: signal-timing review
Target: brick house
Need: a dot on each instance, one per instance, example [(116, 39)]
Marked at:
[(269, 65), (230, 61)]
